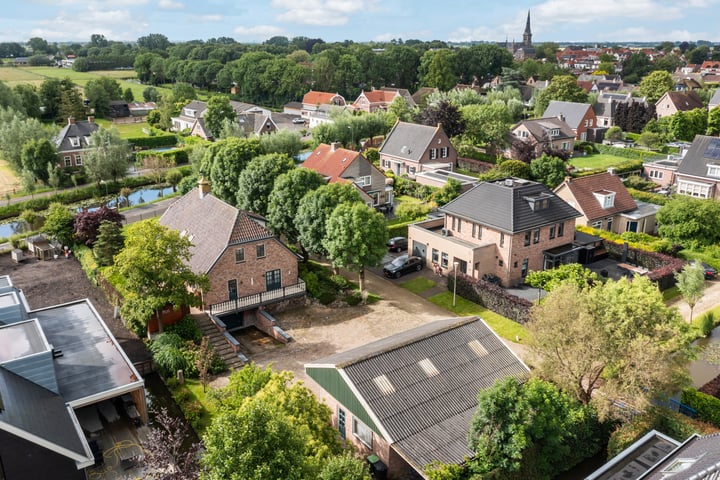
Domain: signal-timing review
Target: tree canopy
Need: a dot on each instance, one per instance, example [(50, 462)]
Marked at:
[(563, 88), (655, 85), (618, 335), (218, 111), (284, 200), (256, 182), (689, 221)]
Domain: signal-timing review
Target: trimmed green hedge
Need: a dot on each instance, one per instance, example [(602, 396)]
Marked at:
[(168, 140), (177, 156), (633, 153), (648, 197), (706, 406)]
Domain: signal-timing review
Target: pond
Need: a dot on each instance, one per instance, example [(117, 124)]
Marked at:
[(301, 157), (142, 195), (707, 366)]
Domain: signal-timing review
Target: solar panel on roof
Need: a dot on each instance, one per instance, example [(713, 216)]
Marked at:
[(713, 149)]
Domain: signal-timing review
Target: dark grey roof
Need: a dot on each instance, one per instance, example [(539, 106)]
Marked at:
[(408, 140), (426, 410), (92, 361), (699, 156), (540, 128), (605, 109), (699, 455), (211, 225), (571, 111), (81, 130), (503, 205), (40, 416), (715, 99)]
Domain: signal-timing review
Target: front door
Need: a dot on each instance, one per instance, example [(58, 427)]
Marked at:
[(273, 280), (232, 289)]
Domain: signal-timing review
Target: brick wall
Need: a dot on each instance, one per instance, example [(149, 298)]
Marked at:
[(250, 274)]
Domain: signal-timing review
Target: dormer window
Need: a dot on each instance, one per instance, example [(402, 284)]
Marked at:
[(555, 132), (540, 202), (75, 141), (713, 171), (363, 181), (87, 139), (606, 198)]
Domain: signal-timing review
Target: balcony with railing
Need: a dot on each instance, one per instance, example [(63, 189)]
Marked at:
[(259, 299)]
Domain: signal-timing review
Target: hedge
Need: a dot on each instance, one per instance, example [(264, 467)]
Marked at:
[(493, 298), (633, 153), (706, 406), (622, 167), (177, 156), (648, 197), (167, 140)]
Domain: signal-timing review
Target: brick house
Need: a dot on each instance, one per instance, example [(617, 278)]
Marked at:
[(342, 165), (248, 267), (606, 204), (316, 107), (544, 133), (391, 397), (375, 100), (672, 102), (411, 148), (73, 141), (698, 174), (579, 116), (503, 228), (191, 116)]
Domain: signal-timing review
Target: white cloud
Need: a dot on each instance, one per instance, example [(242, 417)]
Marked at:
[(259, 32), (497, 33), (170, 5), (320, 12), (419, 34), (644, 34), (114, 24)]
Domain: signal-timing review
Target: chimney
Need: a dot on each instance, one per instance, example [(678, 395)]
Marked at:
[(203, 187), (334, 146), (71, 121), (611, 170), (91, 119), (561, 117)]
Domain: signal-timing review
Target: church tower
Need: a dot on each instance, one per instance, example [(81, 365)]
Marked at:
[(527, 36)]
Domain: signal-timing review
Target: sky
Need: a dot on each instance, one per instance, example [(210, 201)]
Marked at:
[(589, 21)]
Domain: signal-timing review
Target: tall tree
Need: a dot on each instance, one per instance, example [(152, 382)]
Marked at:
[(218, 111), (109, 243), (530, 430), (437, 67), (224, 161), (87, 223), (618, 336), (256, 182), (355, 238), (59, 223), (100, 92), (108, 157), (154, 263), (36, 156), (655, 85), (315, 209), (563, 88), (548, 170), (691, 283), (446, 114), (284, 200)]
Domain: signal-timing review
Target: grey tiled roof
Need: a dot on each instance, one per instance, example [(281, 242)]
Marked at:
[(426, 413), (540, 128), (408, 140), (715, 100), (503, 205), (696, 160), (573, 112), (212, 225), (701, 453), (80, 130)]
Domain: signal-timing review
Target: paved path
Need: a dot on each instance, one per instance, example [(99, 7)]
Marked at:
[(710, 300)]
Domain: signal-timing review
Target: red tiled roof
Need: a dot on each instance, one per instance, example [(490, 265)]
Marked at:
[(584, 188), (318, 98), (380, 96), (330, 163)]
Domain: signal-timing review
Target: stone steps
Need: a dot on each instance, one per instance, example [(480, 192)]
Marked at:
[(217, 339)]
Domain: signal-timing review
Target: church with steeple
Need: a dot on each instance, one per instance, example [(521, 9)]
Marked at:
[(524, 50)]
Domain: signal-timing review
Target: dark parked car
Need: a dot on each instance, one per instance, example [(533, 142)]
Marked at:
[(397, 244), (710, 272), (402, 265)]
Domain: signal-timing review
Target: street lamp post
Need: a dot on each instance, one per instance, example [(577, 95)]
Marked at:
[(352, 136), (455, 265)]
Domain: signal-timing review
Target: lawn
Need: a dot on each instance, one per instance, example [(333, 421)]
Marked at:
[(504, 327), (596, 161), (196, 394), (418, 285), (126, 130)]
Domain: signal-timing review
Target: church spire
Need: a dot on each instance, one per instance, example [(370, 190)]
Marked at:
[(527, 36)]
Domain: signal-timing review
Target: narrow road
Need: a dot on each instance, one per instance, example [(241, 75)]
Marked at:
[(709, 300)]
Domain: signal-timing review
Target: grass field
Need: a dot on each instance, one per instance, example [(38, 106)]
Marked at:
[(599, 160), (126, 130), (36, 75)]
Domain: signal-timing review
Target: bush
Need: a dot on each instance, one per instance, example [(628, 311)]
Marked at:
[(353, 298), (171, 354), (706, 323), (672, 424), (648, 197), (340, 282), (410, 211), (157, 141), (706, 406), (187, 329)]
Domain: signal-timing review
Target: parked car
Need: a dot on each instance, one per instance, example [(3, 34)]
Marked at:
[(298, 120), (397, 244), (402, 265), (710, 272)]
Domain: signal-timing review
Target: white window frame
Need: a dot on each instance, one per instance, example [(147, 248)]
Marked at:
[(363, 181), (713, 171), (67, 160), (693, 189), (444, 152), (433, 153), (74, 141), (78, 160), (362, 432)]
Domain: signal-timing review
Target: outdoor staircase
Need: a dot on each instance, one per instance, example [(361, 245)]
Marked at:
[(217, 339)]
